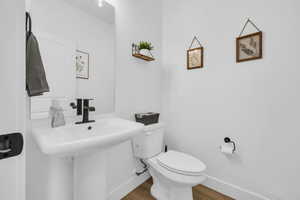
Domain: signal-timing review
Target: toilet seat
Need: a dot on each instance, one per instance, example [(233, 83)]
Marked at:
[(181, 163), (175, 177)]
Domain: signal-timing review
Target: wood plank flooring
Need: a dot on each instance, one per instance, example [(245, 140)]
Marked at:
[(200, 192)]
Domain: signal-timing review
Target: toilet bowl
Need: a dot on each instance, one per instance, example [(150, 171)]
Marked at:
[(174, 173)]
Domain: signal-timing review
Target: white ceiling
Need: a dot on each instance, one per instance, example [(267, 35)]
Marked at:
[(106, 12)]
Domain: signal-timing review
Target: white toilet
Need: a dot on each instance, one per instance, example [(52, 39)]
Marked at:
[(174, 173)]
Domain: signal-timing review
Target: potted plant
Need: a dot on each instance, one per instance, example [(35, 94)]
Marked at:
[(145, 48)]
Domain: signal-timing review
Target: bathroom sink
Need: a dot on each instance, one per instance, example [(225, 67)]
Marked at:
[(71, 140)]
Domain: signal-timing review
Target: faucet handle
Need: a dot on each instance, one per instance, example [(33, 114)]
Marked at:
[(73, 105), (77, 106), (89, 99)]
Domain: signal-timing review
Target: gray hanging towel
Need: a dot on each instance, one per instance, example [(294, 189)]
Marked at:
[(36, 81)]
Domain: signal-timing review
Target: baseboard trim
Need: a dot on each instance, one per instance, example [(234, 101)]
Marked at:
[(219, 185), (231, 190), (126, 187)]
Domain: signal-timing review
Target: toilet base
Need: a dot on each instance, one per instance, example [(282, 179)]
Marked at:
[(164, 189)]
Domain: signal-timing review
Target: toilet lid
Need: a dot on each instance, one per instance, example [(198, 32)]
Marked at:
[(181, 163)]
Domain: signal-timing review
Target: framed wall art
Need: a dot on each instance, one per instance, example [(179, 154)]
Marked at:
[(82, 64), (195, 56), (249, 47)]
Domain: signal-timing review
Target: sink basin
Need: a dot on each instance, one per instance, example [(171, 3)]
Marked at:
[(75, 139)]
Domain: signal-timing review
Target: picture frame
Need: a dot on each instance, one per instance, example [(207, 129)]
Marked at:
[(195, 58), (82, 64), (249, 47)]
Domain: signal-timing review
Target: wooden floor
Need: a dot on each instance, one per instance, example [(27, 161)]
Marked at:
[(200, 192)]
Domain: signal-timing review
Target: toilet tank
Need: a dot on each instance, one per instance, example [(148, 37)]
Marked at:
[(150, 143)]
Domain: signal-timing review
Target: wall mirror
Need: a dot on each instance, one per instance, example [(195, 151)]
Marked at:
[(77, 44)]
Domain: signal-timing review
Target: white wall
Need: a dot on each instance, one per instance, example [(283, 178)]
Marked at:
[(88, 33), (256, 103), (137, 82)]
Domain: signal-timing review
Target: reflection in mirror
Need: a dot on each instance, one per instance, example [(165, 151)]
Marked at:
[(77, 41)]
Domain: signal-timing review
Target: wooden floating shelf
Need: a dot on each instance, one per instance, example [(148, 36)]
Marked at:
[(141, 56)]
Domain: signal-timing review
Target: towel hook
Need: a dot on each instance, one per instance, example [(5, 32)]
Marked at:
[(28, 22)]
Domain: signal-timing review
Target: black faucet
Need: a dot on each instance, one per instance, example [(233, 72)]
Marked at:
[(85, 108)]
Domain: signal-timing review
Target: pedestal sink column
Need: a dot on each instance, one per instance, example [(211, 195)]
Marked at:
[(90, 176), (59, 175)]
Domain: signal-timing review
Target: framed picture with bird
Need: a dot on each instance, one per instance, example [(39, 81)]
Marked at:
[(249, 47)]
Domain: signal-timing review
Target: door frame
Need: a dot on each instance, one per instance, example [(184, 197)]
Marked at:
[(22, 105)]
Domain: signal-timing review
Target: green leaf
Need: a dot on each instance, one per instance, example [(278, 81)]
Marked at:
[(145, 45)]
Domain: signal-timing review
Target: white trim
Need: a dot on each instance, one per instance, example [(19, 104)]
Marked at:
[(221, 186), (21, 97), (126, 187), (231, 190)]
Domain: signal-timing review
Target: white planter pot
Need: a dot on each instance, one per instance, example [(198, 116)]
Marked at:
[(145, 52)]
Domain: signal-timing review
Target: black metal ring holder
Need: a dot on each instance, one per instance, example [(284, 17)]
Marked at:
[(228, 140)]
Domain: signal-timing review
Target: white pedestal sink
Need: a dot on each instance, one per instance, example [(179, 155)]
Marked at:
[(86, 144), (90, 181)]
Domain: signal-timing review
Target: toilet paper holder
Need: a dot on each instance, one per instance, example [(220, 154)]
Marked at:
[(228, 140)]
